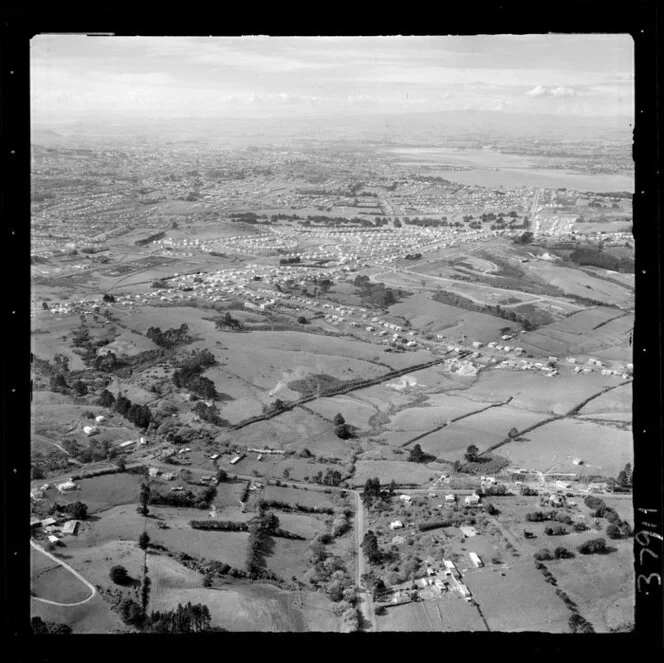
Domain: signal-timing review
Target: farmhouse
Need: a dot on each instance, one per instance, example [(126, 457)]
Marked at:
[(396, 524), (472, 500), (467, 530), (237, 459)]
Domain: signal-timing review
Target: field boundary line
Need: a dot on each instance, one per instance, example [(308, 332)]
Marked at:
[(463, 416)]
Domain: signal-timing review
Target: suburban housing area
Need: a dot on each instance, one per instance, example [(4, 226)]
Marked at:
[(332, 378)]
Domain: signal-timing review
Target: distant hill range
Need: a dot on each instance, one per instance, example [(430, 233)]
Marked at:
[(385, 127)]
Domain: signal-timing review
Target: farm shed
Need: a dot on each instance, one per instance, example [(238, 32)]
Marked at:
[(70, 527), (475, 559)]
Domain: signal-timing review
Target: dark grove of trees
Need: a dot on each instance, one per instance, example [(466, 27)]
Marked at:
[(188, 376), (371, 549), (41, 627), (170, 338), (190, 618), (139, 415), (596, 257), (374, 493)]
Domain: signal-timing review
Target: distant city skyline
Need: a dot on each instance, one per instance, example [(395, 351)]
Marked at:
[(78, 77)]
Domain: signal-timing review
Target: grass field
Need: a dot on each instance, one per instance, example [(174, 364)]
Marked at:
[(49, 580), (605, 450), (312, 498), (400, 471), (243, 607), (601, 585), (95, 616), (450, 613), (428, 315), (103, 492), (533, 604)]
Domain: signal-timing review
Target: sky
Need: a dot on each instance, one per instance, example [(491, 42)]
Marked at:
[(90, 77)]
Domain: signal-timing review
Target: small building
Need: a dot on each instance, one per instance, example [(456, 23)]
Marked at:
[(100, 418), (237, 459), (89, 430), (71, 527), (450, 499), (215, 456), (53, 539), (406, 498), (472, 500), (467, 530), (66, 486), (127, 444), (396, 524), (35, 522), (475, 559), (153, 471), (48, 522)]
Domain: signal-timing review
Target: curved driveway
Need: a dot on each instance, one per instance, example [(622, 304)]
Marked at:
[(89, 585)]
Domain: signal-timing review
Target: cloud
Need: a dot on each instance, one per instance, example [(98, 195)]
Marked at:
[(543, 91)]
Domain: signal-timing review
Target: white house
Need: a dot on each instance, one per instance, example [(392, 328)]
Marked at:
[(472, 500)]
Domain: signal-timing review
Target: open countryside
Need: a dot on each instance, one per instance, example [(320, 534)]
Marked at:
[(308, 376)]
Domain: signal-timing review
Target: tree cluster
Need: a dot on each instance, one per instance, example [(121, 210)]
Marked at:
[(370, 548), (169, 338), (188, 376), (139, 415), (374, 493)]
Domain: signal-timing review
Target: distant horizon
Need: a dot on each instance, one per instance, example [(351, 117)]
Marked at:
[(79, 77)]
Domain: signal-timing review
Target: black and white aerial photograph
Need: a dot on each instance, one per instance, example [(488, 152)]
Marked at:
[(332, 334)]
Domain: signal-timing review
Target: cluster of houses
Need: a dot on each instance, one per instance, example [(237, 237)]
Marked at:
[(53, 528)]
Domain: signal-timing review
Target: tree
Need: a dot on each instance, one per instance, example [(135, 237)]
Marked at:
[(106, 399), (208, 579), (108, 298), (286, 473), (301, 319), (416, 454), (143, 541), (131, 613), (121, 463), (77, 510), (222, 475), (613, 531), (471, 453), (343, 431), (144, 499), (58, 383), (593, 546), (338, 419), (119, 574), (562, 553), (80, 388), (513, 432)]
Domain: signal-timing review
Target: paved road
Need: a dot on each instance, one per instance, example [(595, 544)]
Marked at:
[(90, 586)]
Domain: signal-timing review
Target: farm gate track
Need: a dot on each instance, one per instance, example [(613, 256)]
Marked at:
[(363, 384), (569, 414), (463, 416)]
